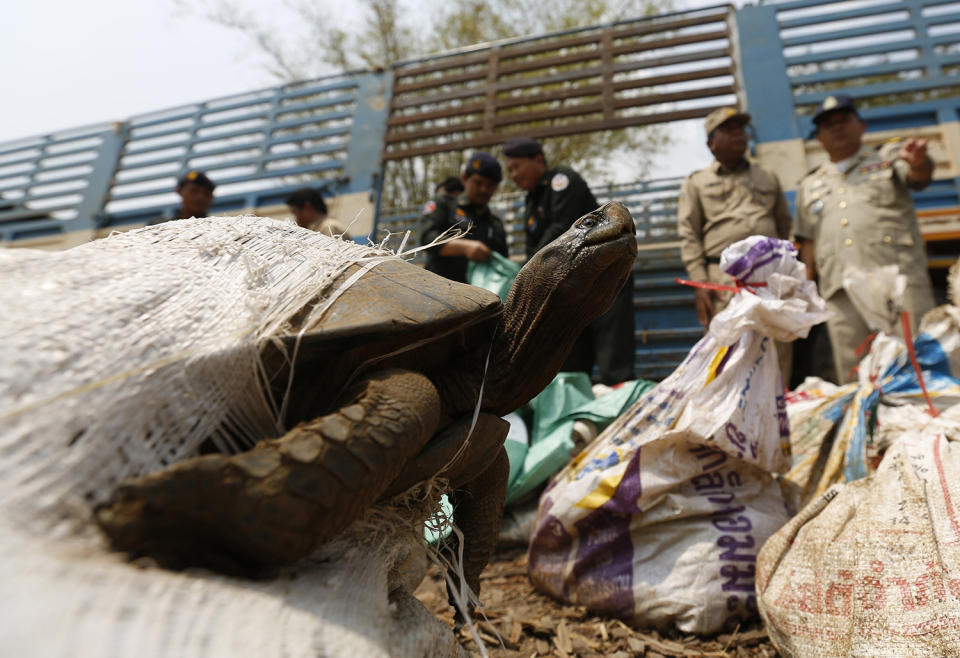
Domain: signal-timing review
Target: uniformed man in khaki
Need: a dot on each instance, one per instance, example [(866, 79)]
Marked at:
[(728, 201), (723, 203), (856, 210)]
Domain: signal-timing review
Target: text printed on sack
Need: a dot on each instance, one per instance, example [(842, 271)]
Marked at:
[(737, 561)]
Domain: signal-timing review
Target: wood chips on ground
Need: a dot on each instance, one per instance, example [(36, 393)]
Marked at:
[(522, 622)]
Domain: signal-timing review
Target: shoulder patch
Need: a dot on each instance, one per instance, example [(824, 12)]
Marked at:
[(429, 207), (559, 182), (461, 212)]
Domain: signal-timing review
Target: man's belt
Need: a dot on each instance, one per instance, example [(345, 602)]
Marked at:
[(713, 260)]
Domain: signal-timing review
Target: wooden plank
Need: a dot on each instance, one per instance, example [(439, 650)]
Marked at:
[(490, 104), (434, 131), (615, 104), (571, 128), (443, 81), (607, 50), (652, 63), (444, 113), (525, 48), (414, 101), (655, 80)]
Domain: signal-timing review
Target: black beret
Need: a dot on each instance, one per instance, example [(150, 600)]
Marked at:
[(197, 178), (484, 164), (522, 147)]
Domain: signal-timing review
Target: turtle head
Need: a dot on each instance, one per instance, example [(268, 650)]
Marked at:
[(584, 268), (562, 289)]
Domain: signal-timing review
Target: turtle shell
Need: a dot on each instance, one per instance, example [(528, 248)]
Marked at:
[(397, 315)]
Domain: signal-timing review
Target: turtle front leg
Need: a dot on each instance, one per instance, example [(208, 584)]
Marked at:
[(478, 511), (280, 501)]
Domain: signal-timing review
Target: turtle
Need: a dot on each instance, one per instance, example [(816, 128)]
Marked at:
[(407, 379)]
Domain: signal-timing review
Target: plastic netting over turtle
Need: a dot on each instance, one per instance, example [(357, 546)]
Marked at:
[(124, 355)]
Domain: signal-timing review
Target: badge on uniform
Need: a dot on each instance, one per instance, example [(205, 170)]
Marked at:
[(429, 207), (461, 212), (875, 167), (816, 207), (531, 223), (559, 182)]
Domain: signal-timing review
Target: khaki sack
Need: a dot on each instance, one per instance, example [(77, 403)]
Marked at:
[(872, 568)]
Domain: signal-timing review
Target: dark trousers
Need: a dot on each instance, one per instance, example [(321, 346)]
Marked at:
[(607, 343)]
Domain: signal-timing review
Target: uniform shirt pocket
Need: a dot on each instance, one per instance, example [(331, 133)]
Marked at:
[(764, 194), (881, 187), (894, 248), (714, 199)]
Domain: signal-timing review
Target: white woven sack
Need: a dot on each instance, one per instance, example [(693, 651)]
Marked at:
[(872, 568), (660, 519), (64, 599), (106, 373), (105, 350)]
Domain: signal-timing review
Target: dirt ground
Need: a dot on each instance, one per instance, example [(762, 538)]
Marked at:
[(530, 624)]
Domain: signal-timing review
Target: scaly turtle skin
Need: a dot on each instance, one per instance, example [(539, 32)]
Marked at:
[(422, 346)]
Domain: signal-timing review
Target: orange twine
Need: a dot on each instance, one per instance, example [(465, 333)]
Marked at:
[(739, 285)]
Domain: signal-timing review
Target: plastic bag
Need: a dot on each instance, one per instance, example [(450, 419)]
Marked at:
[(568, 398), (877, 294), (495, 275), (660, 520), (550, 445), (815, 409)]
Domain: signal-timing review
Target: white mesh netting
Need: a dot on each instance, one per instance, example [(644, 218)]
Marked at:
[(123, 355)]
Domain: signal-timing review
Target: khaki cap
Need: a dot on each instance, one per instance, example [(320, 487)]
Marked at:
[(722, 115)]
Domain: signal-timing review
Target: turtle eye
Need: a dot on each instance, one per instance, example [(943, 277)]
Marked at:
[(588, 222)]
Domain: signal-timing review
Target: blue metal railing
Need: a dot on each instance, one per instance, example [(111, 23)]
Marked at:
[(257, 147), (899, 59)]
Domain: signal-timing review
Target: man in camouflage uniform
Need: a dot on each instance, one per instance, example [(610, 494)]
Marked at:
[(724, 203), (856, 210), (484, 231), (556, 197)]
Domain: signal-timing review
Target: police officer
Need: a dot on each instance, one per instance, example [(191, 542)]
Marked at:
[(556, 197), (856, 210), (451, 186), (723, 203), (470, 213), (196, 193)]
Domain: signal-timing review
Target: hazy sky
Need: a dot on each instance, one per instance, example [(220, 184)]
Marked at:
[(66, 64)]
